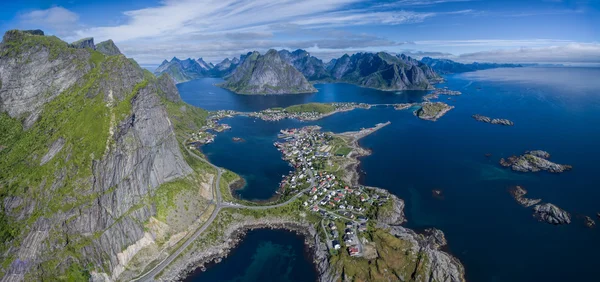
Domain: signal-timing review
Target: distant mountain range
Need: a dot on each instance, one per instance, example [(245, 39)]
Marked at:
[(283, 71), (445, 66)]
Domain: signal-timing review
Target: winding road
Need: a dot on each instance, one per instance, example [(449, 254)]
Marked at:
[(150, 274)]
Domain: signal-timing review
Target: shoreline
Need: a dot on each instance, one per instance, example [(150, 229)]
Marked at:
[(232, 237)]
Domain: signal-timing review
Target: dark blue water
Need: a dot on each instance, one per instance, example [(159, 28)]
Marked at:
[(554, 109), (203, 93), (264, 255)]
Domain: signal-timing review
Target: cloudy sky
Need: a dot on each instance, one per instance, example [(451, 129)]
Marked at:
[(544, 31)]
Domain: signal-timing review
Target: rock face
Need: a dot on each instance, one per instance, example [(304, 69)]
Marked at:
[(311, 67), (551, 214), (84, 43), (433, 111), (30, 77), (181, 70), (394, 215), (108, 48), (533, 161), (204, 65), (383, 71), (267, 74), (445, 66), (519, 192), (90, 194), (440, 265), (493, 121)]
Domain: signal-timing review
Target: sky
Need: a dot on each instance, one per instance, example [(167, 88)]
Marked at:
[(519, 31)]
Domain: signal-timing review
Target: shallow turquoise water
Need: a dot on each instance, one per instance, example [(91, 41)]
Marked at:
[(554, 109)]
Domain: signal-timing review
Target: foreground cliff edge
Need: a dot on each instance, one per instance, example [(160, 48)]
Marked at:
[(96, 184)]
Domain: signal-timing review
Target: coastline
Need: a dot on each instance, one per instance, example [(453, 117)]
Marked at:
[(440, 265), (235, 233)]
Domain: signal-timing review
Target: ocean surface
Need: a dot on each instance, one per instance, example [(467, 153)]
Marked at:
[(264, 255), (554, 109)]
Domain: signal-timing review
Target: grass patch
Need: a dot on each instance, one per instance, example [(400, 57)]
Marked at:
[(311, 107)]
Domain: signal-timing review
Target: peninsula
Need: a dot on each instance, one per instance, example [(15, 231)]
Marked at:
[(347, 226)]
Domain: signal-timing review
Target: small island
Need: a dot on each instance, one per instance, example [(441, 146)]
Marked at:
[(493, 120), (518, 194), (551, 214), (533, 161), (433, 111)]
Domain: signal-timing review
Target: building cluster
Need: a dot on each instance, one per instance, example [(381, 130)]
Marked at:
[(277, 114), (308, 150), (446, 91)]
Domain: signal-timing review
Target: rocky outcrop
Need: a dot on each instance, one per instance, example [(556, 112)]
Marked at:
[(589, 222), (87, 42), (312, 68), (181, 70), (108, 48), (439, 265), (433, 111), (445, 66), (533, 161), (32, 77), (394, 214), (518, 194), (267, 74), (167, 88), (551, 214), (493, 121)]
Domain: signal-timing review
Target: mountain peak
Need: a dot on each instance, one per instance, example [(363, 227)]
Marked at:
[(108, 48)]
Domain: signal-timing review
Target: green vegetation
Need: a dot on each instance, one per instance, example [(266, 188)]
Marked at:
[(185, 118), (395, 260), (311, 107), (19, 41), (343, 151)]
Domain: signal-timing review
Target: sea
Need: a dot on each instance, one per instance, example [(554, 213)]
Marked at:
[(496, 239)]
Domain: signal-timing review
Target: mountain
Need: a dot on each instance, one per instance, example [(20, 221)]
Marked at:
[(267, 74), (445, 66), (383, 71), (91, 169), (312, 68), (225, 67), (204, 65), (182, 70), (108, 48)]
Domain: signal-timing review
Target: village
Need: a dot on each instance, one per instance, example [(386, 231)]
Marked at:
[(345, 210), (308, 113)]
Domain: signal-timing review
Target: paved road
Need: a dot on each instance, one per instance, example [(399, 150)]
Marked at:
[(149, 276)]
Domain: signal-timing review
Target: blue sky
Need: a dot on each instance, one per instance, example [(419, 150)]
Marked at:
[(546, 31)]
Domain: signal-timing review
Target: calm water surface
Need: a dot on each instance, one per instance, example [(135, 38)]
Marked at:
[(554, 109), (264, 255)]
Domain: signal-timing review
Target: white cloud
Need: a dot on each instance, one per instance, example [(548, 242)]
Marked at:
[(58, 19), (578, 53)]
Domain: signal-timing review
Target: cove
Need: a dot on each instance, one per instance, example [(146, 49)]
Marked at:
[(263, 255)]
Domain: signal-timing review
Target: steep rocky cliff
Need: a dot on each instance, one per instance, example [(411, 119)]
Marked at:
[(267, 74), (383, 71), (87, 143), (108, 48)]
